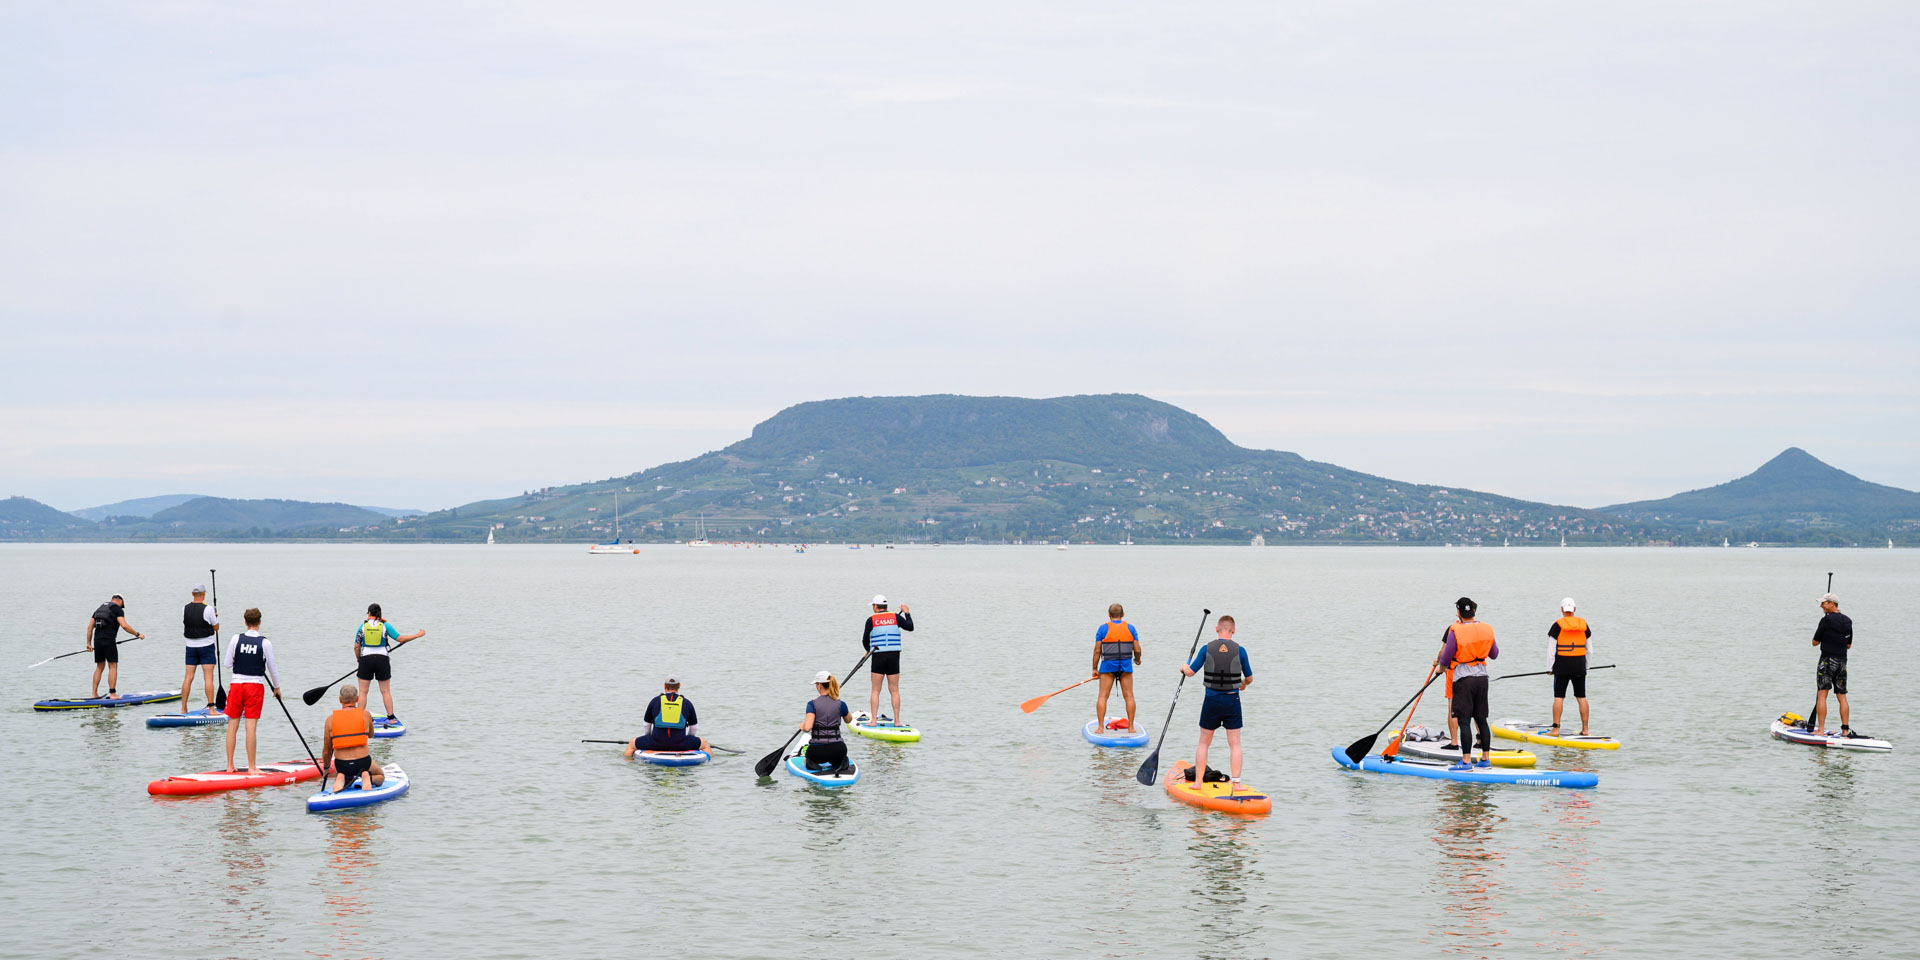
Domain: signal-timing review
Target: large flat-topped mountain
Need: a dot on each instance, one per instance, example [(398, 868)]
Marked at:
[(1793, 489), (1103, 468)]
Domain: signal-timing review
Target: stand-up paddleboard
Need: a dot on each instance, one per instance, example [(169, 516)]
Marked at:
[(384, 728), (1441, 770), (1101, 737), (192, 718), (1788, 728), (1246, 802), (673, 758), (1439, 750), (392, 785), (1537, 733), (882, 729), (123, 700), (214, 781), (844, 777)]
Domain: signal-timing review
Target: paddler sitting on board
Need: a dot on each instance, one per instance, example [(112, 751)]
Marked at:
[(1572, 640), (1227, 672), (825, 748), (1465, 652), (1116, 650), (343, 744), (671, 724)]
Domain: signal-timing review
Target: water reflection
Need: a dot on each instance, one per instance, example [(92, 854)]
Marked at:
[(1571, 861), (825, 814), (242, 833), (1115, 852), (1470, 869), (1227, 919), (347, 877), (1836, 866)]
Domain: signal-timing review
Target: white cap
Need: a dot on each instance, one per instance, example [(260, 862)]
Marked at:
[(672, 681), (198, 588), (1566, 605), (1829, 598), (879, 600), (822, 677)]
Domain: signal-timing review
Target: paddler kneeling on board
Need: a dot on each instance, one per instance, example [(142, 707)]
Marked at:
[(671, 724), (1468, 647), (1227, 673), (825, 749), (343, 744), (1116, 650)]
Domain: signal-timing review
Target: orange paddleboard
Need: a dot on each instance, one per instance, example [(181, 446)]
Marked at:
[(1216, 796)]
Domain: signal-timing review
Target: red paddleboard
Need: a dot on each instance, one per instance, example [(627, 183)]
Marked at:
[(214, 781)]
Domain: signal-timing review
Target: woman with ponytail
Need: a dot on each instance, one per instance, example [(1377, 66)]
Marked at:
[(825, 751)]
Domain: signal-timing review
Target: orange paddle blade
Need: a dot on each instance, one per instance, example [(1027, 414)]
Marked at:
[(1034, 704)]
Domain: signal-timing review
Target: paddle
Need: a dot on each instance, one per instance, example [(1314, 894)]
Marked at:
[(303, 741), (1034, 704), (765, 766), (76, 653), (1151, 768), (1357, 750), (1542, 673), (710, 746), (313, 696), (219, 702), (1811, 711)]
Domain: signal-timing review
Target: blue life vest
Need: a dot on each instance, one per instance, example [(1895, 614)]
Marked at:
[(885, 635), (249, 656)]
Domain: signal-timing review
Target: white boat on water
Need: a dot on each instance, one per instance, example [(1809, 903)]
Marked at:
[(489, 536), (700, 533), (611, 546), (1259, 540)]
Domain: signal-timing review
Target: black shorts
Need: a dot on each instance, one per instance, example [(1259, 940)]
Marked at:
[(667, 740), (106, 651), (886, 663), (374, 666), (1470, 698), (820, 754), (353, 768), (1832, 675), (1570, 670)]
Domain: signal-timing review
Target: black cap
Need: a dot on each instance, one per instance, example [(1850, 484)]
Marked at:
[(1466, 606)]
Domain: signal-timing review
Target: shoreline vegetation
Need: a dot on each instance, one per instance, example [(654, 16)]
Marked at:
[(1083, 470)]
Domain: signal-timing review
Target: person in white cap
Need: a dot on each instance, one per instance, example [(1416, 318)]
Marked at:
[(200, 625), (1572, 639), (826, 749), (1834, 637), (672, 726), (882, 639)]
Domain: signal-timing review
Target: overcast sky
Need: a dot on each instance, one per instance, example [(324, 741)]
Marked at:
[(418, 254)]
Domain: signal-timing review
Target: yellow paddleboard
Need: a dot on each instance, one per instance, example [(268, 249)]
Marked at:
[(1537, 733)]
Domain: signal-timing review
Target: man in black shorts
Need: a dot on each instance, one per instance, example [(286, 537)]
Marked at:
[(1572, 641), (1834, 637), (103, 638)]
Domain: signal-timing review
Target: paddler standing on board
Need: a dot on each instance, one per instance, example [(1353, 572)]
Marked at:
[(1572, 639), (1116, 650), (672, 726), (343, 744), (250, 664), (1227, 672), (1468, 646), (200, 627), (1834, 637), (375, 639), (103, 638), (882, 638)]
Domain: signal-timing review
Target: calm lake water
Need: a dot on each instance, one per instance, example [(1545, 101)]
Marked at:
[(1001, 834)]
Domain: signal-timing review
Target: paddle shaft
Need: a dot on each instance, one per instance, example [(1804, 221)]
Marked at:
[(765, 766), (1542, 673), (1358, 749), (1814, 710), (220, 700), (79, 652), (303, 739), (313, 696), (710, 746), (1150, 768), (1034, 704)]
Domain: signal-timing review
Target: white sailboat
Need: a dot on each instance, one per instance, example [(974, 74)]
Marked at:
[(700, 533), (489, 536), (614, 545)]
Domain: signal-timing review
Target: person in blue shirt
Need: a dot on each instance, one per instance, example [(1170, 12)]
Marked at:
[(1227, 672), (373, 640), (1116, 650)]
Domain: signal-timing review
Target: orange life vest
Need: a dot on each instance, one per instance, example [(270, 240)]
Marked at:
[(1573, 637), (1472, 641), (349, 728)]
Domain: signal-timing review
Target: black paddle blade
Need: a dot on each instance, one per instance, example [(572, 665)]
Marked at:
[(765, 767), (313, 696), (220, 701), (1150, 770), (1358, 750)]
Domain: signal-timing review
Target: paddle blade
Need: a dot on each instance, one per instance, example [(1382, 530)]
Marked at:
[(765, 767), (1150, 770), (313, 696), (220, 700), (1357, 750), (1034, 704)]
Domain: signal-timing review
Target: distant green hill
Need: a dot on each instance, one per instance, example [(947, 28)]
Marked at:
[(219, 513), (952, 468), (21, 517), (140, 507), (1794, 496)]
